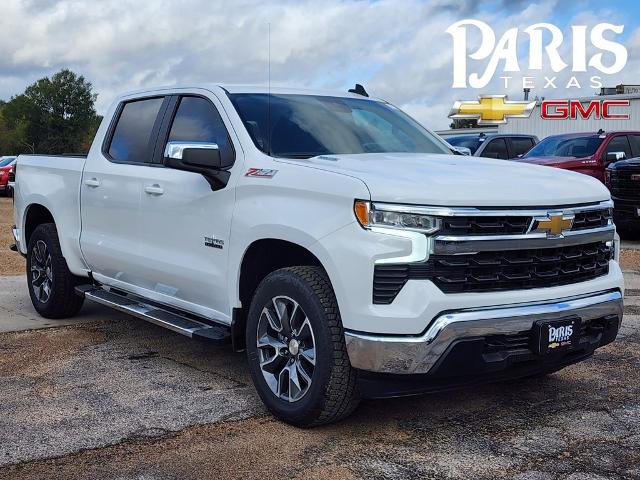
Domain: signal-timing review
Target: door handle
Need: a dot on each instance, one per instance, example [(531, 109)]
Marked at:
[(92, 182), (154, 189)]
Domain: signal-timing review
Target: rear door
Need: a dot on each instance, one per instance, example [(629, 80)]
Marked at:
[(184, 223), (110, 192)]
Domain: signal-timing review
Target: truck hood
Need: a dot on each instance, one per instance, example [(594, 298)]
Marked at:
[(457, 180)]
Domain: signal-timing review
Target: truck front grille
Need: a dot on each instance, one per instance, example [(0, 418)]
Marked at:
[(497, 271), (516, 225), (623, 186), (485, 225), (592, 219)]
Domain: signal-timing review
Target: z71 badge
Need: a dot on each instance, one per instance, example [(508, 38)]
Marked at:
[(261, 172)]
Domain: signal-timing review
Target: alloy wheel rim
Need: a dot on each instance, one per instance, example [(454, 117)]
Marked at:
[(286, 348), (41, 274)]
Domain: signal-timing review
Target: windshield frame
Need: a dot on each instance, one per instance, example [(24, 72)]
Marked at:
[(439, 145)]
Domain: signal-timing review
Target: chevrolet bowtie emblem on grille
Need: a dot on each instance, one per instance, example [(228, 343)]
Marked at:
[(491, 109), (554, 224)]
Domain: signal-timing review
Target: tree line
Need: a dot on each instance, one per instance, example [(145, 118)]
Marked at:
[(52, 116)]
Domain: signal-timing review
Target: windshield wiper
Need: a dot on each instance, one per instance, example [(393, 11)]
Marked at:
[(299, 155)]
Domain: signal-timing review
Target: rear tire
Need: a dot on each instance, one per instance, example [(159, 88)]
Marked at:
[(301, 370), (51, 284)]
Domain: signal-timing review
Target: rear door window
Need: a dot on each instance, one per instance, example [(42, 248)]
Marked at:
[(496, 148), (132, 140), (619, 143), (520, 145)]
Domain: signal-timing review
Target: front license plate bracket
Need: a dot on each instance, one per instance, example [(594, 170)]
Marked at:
[(552, 336)]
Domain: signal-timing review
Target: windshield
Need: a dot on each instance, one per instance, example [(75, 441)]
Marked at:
[(303, 126), (472, 143), (578, 147), (4, 161)]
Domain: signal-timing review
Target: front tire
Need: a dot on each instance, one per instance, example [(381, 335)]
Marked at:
[(296, 349), (51, 284)]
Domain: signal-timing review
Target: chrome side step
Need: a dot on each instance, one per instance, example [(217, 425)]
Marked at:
[(179, 323)]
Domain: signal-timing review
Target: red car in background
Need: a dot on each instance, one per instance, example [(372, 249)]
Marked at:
[(6, 164), (588, 153)]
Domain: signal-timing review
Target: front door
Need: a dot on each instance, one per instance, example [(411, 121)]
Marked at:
[(184, 223)]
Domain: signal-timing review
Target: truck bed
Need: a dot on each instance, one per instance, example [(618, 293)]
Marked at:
[(52, 181)]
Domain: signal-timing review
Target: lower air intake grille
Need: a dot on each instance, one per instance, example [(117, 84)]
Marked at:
[(497, 271)]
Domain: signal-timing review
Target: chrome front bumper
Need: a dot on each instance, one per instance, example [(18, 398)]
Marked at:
[(418, 354)]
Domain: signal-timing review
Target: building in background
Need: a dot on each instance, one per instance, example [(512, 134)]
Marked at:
[(541, 128), (536, 125)]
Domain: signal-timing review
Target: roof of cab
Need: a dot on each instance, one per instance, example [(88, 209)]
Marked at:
[(233, 88)]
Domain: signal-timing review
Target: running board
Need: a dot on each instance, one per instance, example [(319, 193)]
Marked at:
[(176, 322)]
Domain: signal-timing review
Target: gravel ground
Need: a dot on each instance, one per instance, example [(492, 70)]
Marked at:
[(10, 262), (121, 399), (630, 259)]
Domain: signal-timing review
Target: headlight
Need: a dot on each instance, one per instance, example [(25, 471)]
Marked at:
[(369, 216)]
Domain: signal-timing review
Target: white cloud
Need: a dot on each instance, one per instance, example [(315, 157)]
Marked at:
[(398, 49)]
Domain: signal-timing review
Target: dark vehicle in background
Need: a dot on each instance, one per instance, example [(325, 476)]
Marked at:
[(6, 166), (588, 153), (505, 147), (623, 180)]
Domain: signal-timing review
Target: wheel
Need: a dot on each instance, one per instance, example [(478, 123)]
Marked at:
[(51, 284), (296, 349)]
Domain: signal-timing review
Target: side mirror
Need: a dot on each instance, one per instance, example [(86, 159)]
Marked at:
[(461, 150), (615, 156), (195, 154), (198, 157)]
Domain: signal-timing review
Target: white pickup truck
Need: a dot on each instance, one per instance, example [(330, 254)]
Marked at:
[(331, 236)]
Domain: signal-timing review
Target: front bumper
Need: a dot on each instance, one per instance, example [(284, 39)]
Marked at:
[(399, 354)]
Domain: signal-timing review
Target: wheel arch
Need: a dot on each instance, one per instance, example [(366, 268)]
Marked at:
[(260, 258), (35, 214)]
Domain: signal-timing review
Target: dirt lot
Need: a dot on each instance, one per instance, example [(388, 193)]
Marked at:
[(10, 263), (116, 398)]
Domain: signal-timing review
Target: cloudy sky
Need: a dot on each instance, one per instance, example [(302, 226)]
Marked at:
[(398, 49)]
